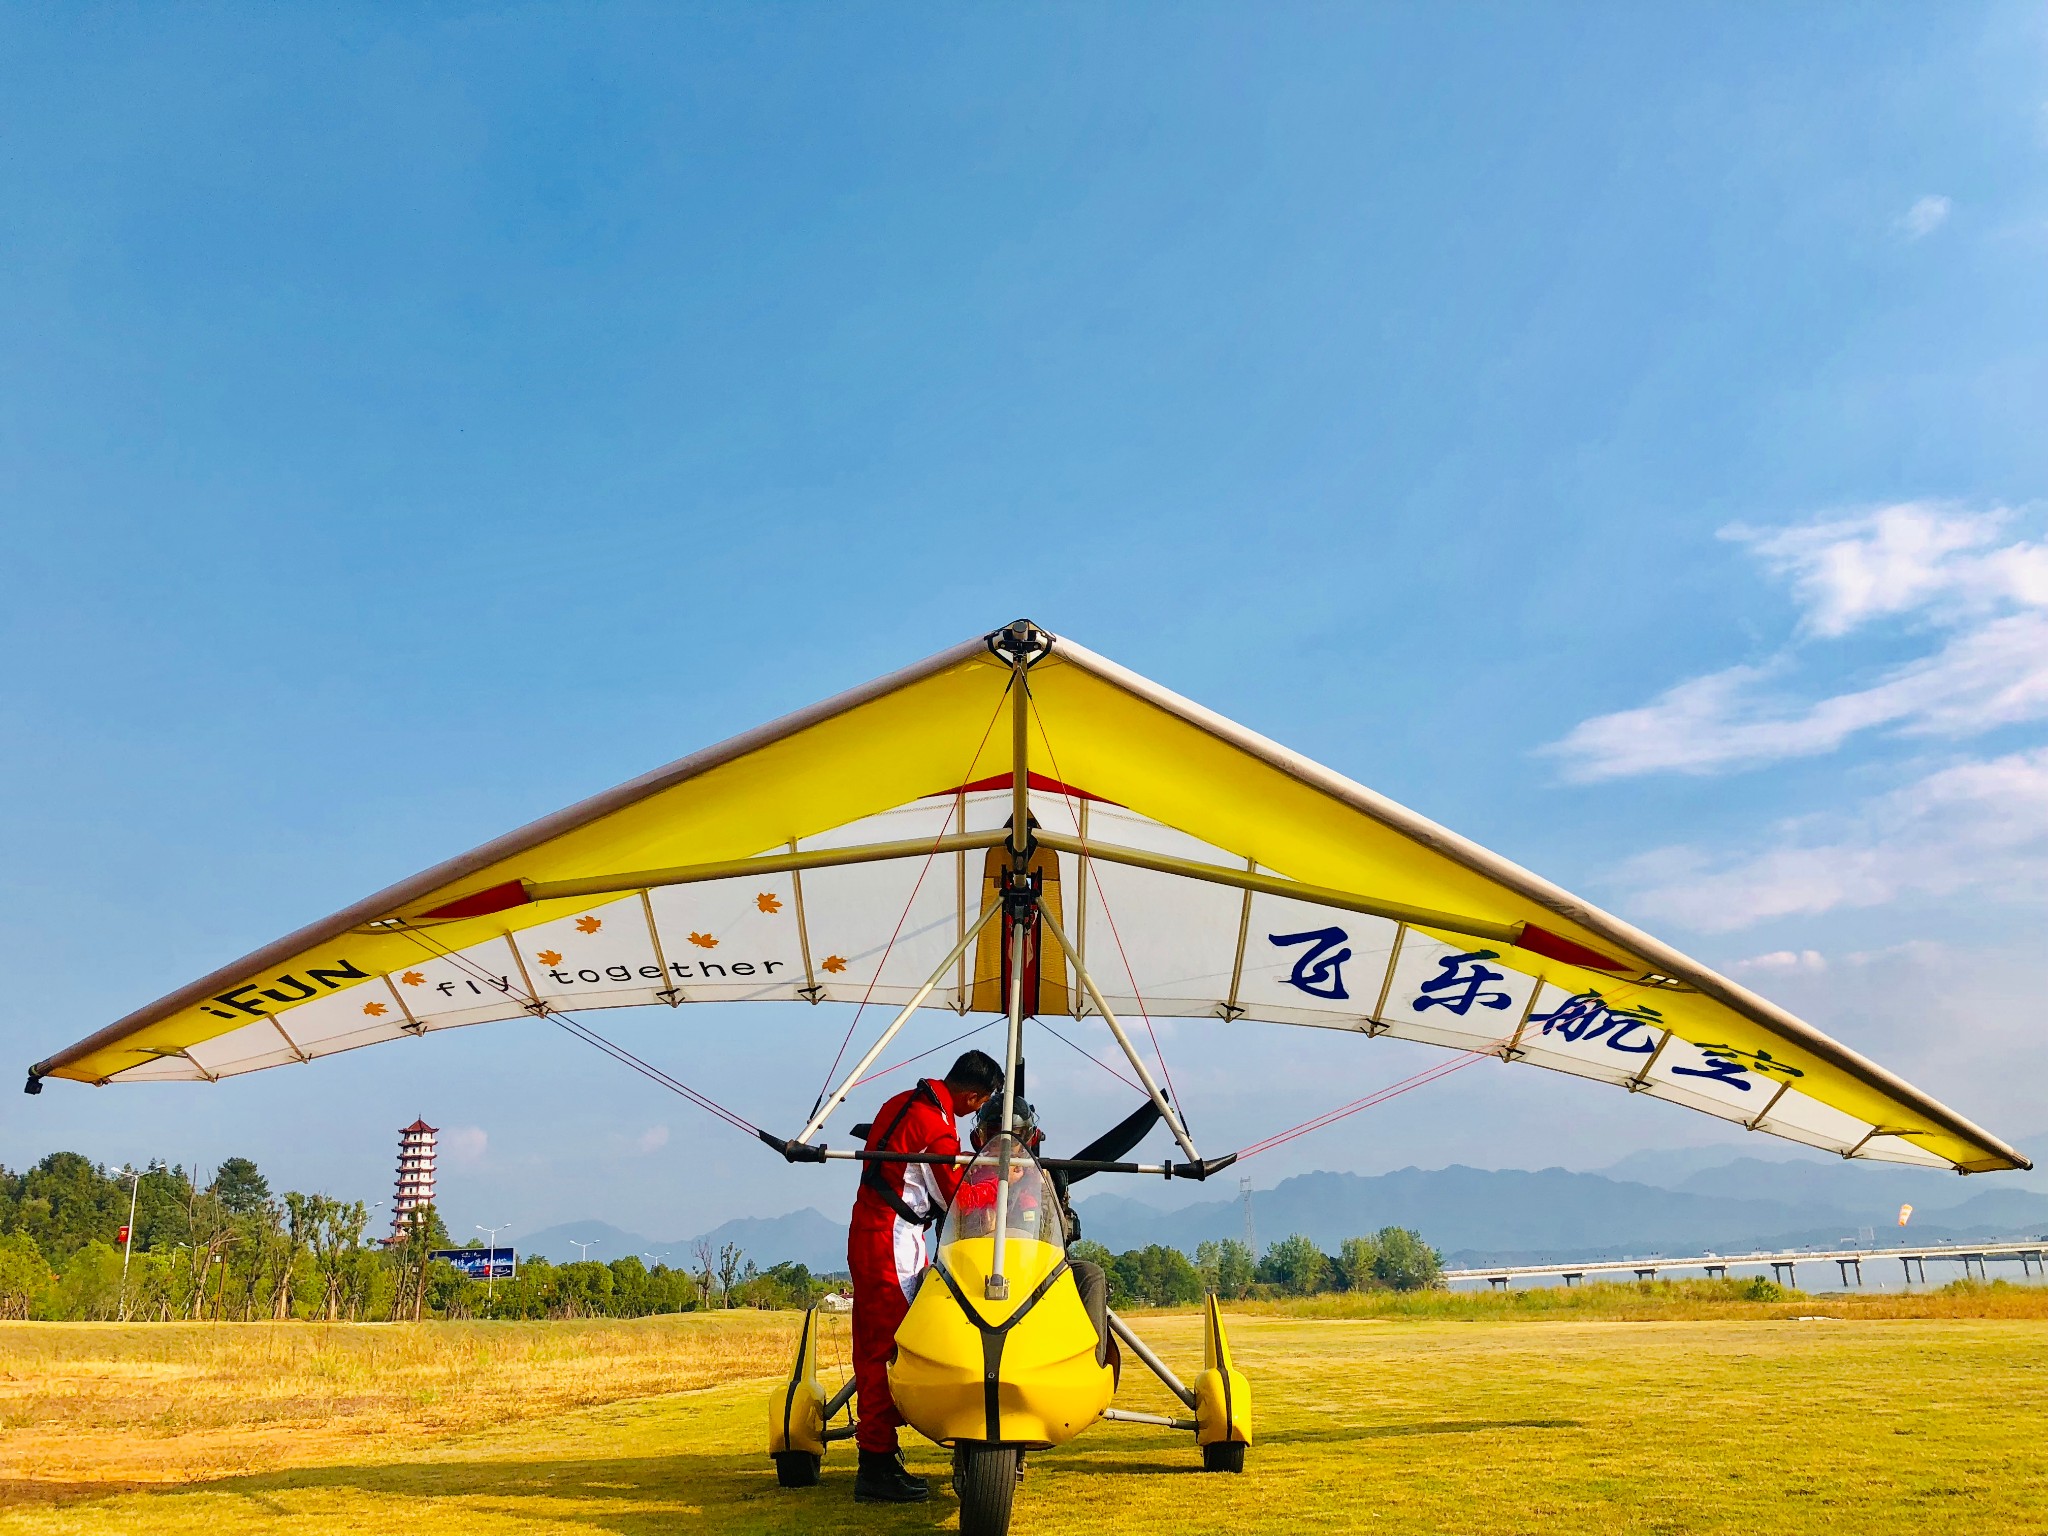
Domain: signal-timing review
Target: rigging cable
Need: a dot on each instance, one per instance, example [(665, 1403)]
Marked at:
[(1372, 1100), (852, 1024), (920, 1056), (576, 1028), (1102, 896)]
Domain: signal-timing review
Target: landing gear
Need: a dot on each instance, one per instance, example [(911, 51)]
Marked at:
[(1223, 1456), (985, 1479), (797, 1469)]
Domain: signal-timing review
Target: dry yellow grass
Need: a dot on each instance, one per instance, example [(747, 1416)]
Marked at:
[(1560, 1425), (88, 1406)]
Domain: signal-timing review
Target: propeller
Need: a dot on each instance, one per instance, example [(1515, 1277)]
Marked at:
[(1119, 1139)]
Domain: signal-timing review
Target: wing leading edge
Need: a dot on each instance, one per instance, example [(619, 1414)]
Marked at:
[(1239, 881)]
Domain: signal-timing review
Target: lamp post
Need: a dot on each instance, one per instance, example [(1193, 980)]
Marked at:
[(583, 1248), (491, 1260), (134, 1177)]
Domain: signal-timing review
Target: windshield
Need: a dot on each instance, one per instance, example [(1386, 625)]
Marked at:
[(1033, 1205)]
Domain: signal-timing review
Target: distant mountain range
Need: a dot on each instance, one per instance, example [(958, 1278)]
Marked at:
[(805, 1237), (1650, 1202)]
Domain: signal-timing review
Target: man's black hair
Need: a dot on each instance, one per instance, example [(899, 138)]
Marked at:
[(977, 1072)]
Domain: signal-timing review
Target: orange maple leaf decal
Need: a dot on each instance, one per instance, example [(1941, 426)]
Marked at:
[(549, 957), (412, 978), (833, 963), (768, 902), (703, 941), (375, 1010), (589, 924)]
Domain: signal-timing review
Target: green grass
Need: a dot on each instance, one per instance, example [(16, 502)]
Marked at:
[(1737, 1423)]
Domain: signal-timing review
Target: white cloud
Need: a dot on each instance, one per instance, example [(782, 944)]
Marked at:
[(1941, 566), (1898, 560), (465, 1144), (1925, 217), (653, 1139), (1973, 825), (1783, 960)]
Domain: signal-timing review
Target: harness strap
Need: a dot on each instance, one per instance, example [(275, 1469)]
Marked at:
[(877, 1182)]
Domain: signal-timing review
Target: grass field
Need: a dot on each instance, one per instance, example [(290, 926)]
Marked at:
[(1626, 1412)]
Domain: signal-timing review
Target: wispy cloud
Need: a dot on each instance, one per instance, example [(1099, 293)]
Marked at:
[(1956, 574), (653, 1139), (1780, 961), (1974, 825), (1925, 217), (466, 1144)]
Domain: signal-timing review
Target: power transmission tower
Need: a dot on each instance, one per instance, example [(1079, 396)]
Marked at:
[(1244, 1193)]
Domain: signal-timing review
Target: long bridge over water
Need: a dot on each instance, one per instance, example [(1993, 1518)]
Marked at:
[(1783, 1263)]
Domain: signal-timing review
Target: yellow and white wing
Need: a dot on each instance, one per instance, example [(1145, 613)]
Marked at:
[(1197, 869)]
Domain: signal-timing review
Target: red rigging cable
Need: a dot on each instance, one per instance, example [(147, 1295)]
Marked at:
[(1102, 896), (910, 901), (1374, 1099), (920, 1056)]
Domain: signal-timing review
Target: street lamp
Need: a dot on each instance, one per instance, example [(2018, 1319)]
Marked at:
[(134, 1177), (583, 1248), (491, 1260)]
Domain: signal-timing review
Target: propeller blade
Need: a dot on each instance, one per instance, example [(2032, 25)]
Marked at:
[(1113, 1143)]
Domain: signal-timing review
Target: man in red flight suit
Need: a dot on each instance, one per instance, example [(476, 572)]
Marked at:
[(886, 1251)]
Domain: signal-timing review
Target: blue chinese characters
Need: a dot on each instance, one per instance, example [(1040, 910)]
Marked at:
[(1462, 984), (1588, 1016), (1318, 971)]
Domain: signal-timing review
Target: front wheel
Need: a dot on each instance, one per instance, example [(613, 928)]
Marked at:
[(797, 1469), (1223, 1456), (985, 1478)]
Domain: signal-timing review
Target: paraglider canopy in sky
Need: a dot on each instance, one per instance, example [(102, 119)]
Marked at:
[(879, 847)]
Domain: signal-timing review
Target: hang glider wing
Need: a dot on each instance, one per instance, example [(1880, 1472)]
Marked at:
[(1194, 868)]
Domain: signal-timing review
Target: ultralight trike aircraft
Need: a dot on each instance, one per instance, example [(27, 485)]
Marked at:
[(1019, 827)]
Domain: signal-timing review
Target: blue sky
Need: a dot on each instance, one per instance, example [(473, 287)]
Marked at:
[(1614, 431)]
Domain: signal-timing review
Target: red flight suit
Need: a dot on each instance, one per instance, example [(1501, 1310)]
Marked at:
[(886, 1247)]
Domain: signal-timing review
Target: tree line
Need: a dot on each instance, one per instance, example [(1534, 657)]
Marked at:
[(222, 1247), (1394, 1259)]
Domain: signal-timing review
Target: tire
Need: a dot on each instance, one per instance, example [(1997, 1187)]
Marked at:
[(1223, 1456), (985, 1478), (797, 1469)]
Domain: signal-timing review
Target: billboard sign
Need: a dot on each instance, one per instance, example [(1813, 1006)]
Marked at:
[(480, 1263)]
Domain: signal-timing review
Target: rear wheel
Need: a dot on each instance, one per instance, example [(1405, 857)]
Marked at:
[(1223, 1456), (797, 1469), (985, 1478)]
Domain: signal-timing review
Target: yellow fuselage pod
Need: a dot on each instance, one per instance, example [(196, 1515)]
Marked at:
[(1021, 1371)]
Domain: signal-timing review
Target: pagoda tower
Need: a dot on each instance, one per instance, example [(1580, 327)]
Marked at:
[(415, 1175)]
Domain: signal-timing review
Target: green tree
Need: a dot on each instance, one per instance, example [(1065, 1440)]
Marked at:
[(65, 1202), (1295, 1265), (89, 1287), (785, 1286), (1089, 1251), (1228, 1268), (336, 1240), (1406, 1262), (1157, 1276), (23, 1275), (1356, 1266), (239, 1188), (585, 1289)]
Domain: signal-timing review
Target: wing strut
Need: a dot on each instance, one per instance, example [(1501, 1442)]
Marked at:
[(1166, 1109), (838, 1095)]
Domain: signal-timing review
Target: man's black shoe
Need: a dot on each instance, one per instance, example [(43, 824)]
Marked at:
[(883, 1479)]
